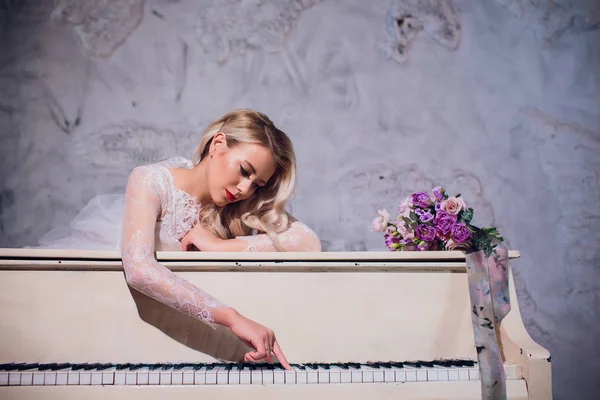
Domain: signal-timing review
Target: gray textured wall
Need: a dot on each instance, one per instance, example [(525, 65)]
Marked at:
[(498, 100)]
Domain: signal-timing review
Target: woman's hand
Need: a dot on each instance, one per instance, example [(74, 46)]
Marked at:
[(254, 335), (199, 238)]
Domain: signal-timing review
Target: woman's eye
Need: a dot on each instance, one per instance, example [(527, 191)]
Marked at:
[(244, 172)]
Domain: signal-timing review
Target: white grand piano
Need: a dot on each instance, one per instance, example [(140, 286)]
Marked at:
[(359, 325)]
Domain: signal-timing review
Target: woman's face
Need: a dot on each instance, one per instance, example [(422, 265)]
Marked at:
[(234, 173)]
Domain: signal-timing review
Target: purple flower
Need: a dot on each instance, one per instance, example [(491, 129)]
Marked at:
[(425, 232), (460, 233), (421, 199), (426, 216), (437, 206), (438, 193), (444, 222), (391, 242)]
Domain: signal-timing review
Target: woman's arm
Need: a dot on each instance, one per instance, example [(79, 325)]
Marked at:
[(142, 271), (298, 237), (146, 275)]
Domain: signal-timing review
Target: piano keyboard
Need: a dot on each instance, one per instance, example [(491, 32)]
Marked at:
[(56, 374)]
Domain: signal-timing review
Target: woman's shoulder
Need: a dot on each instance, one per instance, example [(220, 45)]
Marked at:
[(158, 172)]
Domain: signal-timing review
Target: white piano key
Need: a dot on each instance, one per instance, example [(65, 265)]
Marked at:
[(421, 374), (154, 377), (200, 376), (463, 374), (300, 376), (3, 378), (474, 374), (268, 376), (177, 378), (257, 377), (442, 374), (120, 378), (96, 378), (188, 376), (345, 375), (143, 376), (279, 376), (335, 374), (411, 374), (166, 377), (211, 376), (453, 374), (367, 374), (378, 375), (234, 375), (85, 378), (245, 376), (357, 376), (389, 375), (49, 378), (62, 377), (290, 377), (14, 379), (131, 377), (108, 376), (312, 375), (324, 375), (432, 374), (400, 375), (222, 376), (26, 378)]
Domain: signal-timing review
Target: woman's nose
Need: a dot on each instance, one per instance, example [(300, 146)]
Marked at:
[(244, 187)]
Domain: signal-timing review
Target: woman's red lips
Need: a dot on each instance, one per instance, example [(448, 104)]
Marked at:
[(230, 197)]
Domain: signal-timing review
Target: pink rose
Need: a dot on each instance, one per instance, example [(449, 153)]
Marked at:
[(405, 207), (407, 233), (380, 223), (453, 205)]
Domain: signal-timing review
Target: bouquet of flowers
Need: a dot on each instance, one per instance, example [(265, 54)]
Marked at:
[(434, 221)]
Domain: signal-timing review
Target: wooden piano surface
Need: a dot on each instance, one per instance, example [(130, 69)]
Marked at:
[(75, 306)]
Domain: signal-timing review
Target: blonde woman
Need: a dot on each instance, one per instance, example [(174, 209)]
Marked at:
[(231, 199)]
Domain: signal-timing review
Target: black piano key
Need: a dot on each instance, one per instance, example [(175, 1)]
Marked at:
[(6, 366), (45, 367), (229, 366), (373, 364), (426, 364), (166, 366), (102, 367), (88, 367), (75, 367), (121, 367), (397, 364), (24, 367), (385, 364), (442, 363), (60, 366), (198, 366)]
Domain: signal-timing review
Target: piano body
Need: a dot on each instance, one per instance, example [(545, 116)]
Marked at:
[(356, 325)]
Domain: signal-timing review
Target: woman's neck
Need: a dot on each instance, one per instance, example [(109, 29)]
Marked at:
[(194, 182)]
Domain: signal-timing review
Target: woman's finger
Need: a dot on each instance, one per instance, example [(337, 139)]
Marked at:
[(279, 354)]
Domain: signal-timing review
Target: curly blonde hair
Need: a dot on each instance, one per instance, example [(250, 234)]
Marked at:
[(264, 210)]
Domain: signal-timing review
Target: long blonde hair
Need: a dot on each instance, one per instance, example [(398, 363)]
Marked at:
[(264, 210)]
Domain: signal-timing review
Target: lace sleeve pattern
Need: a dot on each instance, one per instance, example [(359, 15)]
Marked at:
[(142, 271), (298, 237)]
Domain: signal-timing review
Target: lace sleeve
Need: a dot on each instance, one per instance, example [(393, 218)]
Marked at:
[(298, 237), (142, 271)]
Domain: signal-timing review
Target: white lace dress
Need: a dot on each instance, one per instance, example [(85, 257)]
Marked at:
[(154, 215)]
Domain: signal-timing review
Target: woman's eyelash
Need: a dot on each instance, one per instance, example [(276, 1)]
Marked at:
[(246, 174)]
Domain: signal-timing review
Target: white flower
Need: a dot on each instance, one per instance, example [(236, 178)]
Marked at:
[(380, 223)]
